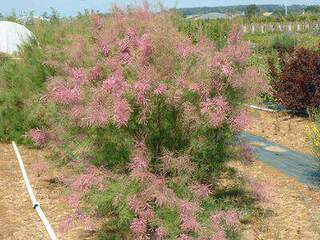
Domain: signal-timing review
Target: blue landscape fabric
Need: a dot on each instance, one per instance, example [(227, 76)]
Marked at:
[(302, 167)]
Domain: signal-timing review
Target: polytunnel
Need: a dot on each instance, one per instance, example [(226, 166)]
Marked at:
[(12, 36)]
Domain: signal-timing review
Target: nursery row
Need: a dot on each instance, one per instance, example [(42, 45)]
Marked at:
[(146, 109)]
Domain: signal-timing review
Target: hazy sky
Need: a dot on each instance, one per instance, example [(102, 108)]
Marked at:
[(72, 7)]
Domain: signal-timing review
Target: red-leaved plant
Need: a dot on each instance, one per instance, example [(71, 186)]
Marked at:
[(296, 79)]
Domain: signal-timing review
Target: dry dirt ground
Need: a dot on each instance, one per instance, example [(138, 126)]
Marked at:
[(18, 220), (280, 128), (295, 209)]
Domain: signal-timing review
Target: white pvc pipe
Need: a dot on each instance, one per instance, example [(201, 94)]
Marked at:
[(34, 201), (261, 108)]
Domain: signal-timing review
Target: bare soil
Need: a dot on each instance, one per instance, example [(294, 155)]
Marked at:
[(294, 210), (18, 220), (280, 128), (293, 214)]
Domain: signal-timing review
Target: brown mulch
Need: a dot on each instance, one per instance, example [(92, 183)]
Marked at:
[(18, 220)]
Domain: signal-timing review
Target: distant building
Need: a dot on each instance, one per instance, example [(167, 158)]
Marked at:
[(212, 15), (267, 14), (192, 16), (25, 19), (235, 15)]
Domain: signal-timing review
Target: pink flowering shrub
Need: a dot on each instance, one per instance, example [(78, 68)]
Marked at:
[(159, 112)]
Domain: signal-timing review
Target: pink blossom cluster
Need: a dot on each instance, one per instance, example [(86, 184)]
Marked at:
[(160, 233), (160, 90), (95, 73), (90, 178), (66, 95), (186, 50), (139, 162), (153, 192), (201, 190), (145, 46), (144, 213), (235, 35), (66, 224), (234, 54), (114, 84), (230, 218), (141, 88), (188, 220), (176, 164), (216, 110), (74, 201), (79, 187), (239, 122), (97, 117), (38, 136), (138, 227), (142, 209), (104, 48), (97, 20), (239, 51), (220, 235), (79, 76), (124, 46), (184, 237), (262, 190)]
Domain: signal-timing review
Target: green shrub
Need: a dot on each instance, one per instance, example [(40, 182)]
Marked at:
[(21, 82), (285, 41), (215, 30)]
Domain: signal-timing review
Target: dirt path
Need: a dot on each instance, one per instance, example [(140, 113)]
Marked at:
[(17, 218), (280, 128), (295, 210), (300, 166)]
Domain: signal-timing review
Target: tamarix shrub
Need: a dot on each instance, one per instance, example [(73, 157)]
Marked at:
[(158, 114)]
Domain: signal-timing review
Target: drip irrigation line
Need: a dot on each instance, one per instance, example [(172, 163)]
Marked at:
[(35, 204), (279, 110), (261, 108)]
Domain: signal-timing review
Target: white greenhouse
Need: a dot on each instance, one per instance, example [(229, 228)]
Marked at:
[(12, 35)]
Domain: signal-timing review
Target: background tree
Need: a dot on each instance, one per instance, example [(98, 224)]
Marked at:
[(312, 9), (252, 10)]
